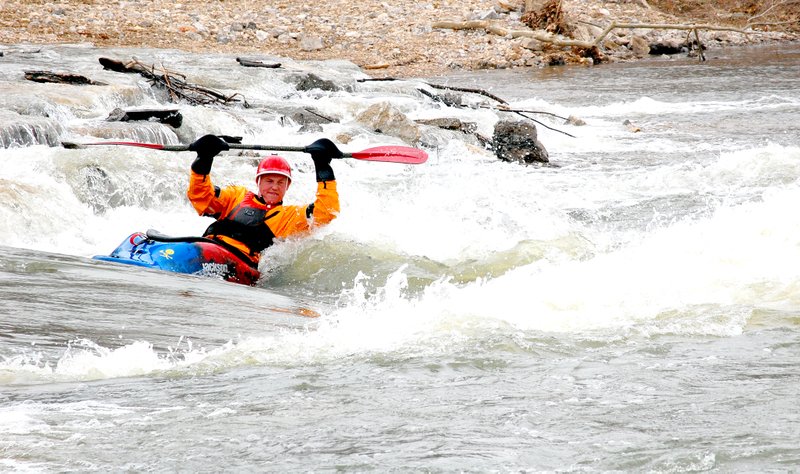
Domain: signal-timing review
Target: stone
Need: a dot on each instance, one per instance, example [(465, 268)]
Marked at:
[(344, 138), (573, 120), (384, 117), (640, 47), (517, 141), (532, 44), (311, 43), (489, 14)]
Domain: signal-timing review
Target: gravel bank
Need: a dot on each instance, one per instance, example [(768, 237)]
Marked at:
[(386, 38)]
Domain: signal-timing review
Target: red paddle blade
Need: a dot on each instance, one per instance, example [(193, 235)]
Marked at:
[(154, 146), (392, 154)]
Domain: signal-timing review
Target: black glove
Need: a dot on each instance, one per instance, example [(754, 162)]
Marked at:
[(322, 151), (207, 147)]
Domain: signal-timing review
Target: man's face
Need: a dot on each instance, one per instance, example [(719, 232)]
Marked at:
[(272, 187)]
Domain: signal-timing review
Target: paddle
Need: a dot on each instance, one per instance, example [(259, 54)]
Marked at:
[(387, 154)]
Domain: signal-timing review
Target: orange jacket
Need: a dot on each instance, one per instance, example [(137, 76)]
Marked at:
[(282, 221)]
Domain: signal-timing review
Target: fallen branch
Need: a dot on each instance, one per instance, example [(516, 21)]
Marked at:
[(472, 91), (699, 46), (659, 26), (552, 39), (450, 88), (503, 108), (769, 10), (500, 31), (174, 83), (522, 114), (776, 23)]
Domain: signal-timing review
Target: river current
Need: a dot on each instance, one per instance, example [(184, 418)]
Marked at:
[(633, 307)]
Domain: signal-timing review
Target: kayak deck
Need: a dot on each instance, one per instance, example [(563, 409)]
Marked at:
[(189, 255)]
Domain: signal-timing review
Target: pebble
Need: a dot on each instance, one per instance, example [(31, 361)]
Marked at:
[(311, 43)]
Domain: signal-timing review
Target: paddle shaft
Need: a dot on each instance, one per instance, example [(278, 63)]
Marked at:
[(232, 146), (388, 154)]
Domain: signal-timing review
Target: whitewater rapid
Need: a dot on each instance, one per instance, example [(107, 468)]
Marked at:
[(632, 306)]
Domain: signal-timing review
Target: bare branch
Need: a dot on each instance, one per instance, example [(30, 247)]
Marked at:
[(769, 9), (548, 38), (500, 31)]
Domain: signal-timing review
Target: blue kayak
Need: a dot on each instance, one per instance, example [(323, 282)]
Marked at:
[(190, 255)]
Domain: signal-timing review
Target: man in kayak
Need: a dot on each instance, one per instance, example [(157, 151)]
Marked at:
[(250, 221)]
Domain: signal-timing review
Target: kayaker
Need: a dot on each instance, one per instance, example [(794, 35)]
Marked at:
[(250, 221)]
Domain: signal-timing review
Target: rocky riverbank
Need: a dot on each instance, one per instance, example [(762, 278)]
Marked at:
[(390, 38)]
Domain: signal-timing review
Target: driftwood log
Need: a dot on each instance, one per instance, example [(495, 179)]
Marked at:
[(61, 78), (169, 117), (254, 63)]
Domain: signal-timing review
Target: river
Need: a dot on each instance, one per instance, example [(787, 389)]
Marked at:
[(633, 307)]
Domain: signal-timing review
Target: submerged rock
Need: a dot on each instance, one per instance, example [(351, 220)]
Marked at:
[(310, 81), (450, 123), (297, 114)]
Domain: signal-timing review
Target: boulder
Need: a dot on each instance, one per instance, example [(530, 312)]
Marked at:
[(383, 117), (668, 46), (517, 141)]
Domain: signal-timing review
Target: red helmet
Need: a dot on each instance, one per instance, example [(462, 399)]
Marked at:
[(274, 165)]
